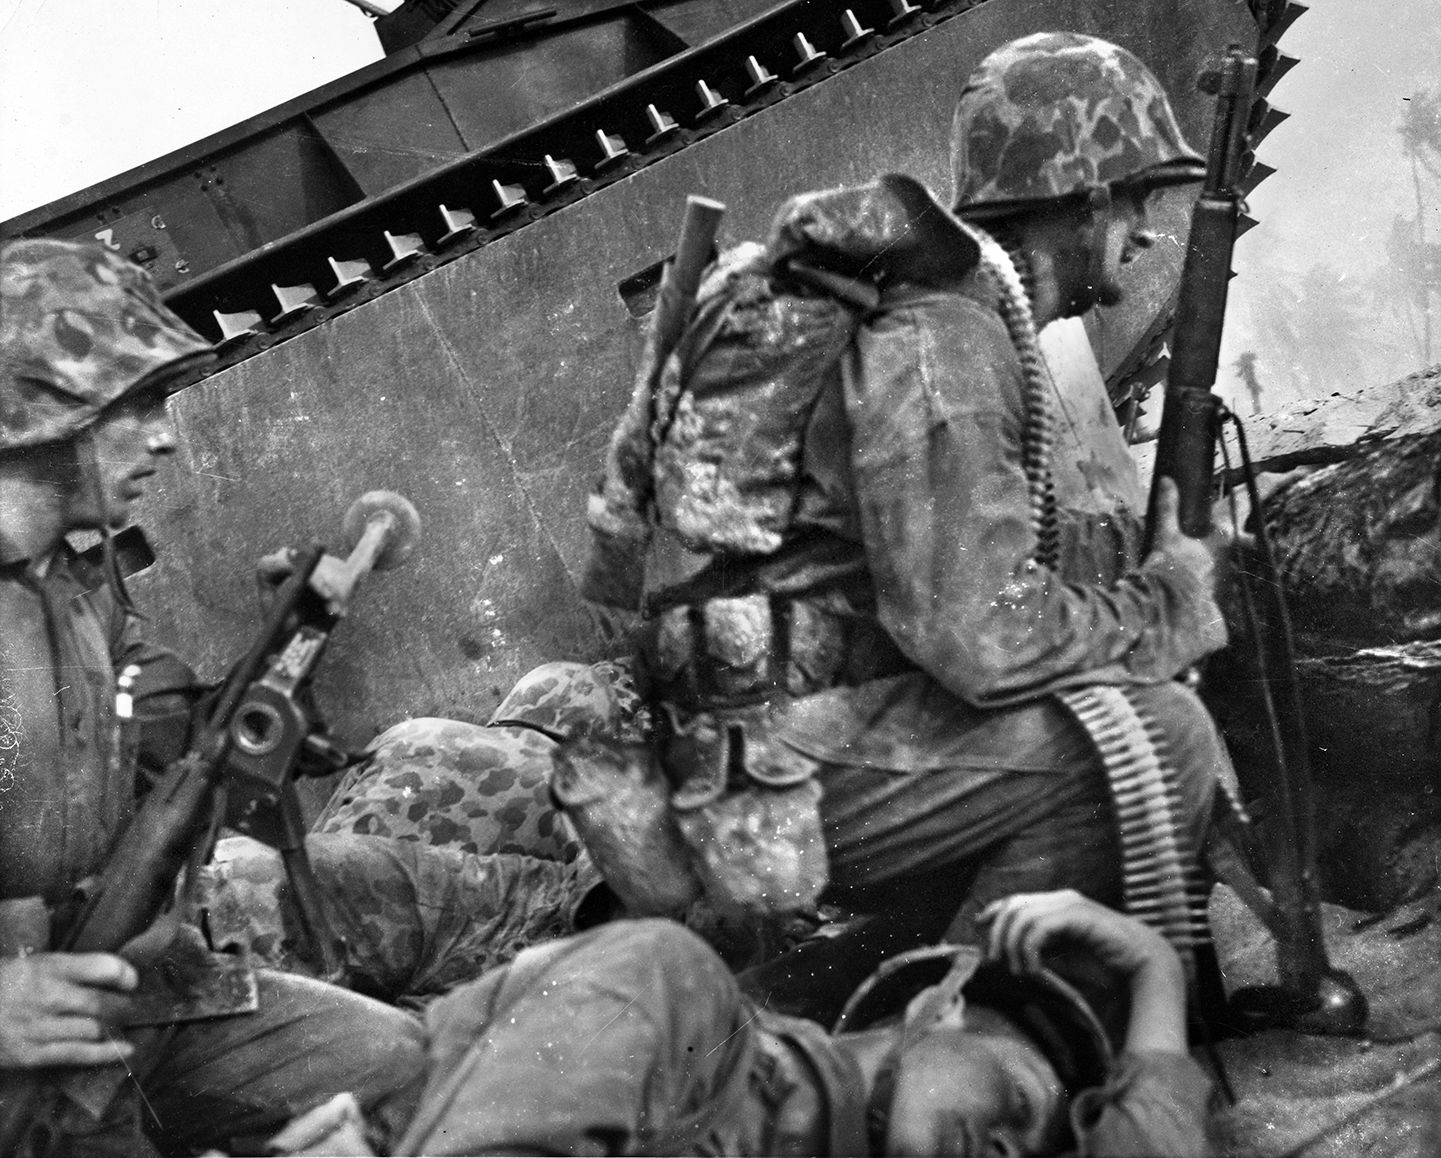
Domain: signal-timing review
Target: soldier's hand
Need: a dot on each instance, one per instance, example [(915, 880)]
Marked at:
[(1019, 929), (272, 570), (330, 579), (56, 1009), (1173, 549)]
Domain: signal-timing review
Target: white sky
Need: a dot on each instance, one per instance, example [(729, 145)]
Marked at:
[(90, 88)]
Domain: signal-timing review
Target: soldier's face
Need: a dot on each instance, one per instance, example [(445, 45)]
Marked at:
[(1124, 233), (128, 443), (964, 1094)]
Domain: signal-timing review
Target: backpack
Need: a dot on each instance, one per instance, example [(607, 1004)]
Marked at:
[(710, 447)]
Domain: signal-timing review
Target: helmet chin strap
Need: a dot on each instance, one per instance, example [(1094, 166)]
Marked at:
[(88, 465)]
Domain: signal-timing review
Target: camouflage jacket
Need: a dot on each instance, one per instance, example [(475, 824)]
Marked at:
[(913, 470), (64, 796)]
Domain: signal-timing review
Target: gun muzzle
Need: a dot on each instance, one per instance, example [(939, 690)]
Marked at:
[(382, 529)]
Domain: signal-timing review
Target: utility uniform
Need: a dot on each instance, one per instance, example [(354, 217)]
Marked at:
[(910, 554), (633, 1039), (65, 798), (878, 604), (79, 329)]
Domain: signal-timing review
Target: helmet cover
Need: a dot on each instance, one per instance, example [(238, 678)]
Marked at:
[(80, 328), (1059, 114)]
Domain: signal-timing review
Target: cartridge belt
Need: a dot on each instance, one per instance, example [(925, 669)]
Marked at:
[(730, 652)]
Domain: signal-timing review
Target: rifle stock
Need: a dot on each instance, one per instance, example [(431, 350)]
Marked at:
[(1313, 994)]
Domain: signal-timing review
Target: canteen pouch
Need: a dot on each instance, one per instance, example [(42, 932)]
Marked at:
[(617, 797), (749, 810)]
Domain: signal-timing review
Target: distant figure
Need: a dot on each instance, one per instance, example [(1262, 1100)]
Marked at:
[(1246, 367)]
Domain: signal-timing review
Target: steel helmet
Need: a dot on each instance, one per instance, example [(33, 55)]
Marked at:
[(80, 327), (1059, 114), (921, 985)]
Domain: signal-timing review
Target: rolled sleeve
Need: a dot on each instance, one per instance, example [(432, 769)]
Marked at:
[(934, 394)]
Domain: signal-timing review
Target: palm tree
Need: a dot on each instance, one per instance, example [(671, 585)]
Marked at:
[(1420, 131)]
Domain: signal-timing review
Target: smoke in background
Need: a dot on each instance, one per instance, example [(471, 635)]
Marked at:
[(1339, 287)]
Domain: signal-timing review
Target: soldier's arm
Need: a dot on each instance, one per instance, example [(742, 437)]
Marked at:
[(935, 401), (55, 1009)]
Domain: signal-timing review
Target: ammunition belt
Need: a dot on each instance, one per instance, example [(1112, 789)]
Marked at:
[(732, 652), (1160, 872)]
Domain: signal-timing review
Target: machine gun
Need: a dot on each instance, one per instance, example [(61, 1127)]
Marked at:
[(239, 770), (1312, 995)]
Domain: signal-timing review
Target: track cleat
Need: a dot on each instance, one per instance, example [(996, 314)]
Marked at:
[(903, 10), (236, 327), (458, 222), (349, 275), (563, 174), (855, 31), (711, 102), (613, 150), (404, 248), (294, 300), (511, 198), (810, 56), (761, 77), (662, 125)]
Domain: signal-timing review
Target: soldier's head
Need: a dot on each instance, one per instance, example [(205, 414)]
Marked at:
[(88, 352), (976, 1061), (1063, 138)]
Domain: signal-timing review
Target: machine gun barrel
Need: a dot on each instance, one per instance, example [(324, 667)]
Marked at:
[(141, 873)]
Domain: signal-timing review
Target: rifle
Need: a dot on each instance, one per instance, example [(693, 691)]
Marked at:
[(615, 566), (239, 769), (1312, 995)]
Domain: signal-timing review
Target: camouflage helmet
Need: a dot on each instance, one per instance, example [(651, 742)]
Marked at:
[(1059, 114), (80, 327)]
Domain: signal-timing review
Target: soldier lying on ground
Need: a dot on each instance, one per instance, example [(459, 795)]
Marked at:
[(634, 1039)]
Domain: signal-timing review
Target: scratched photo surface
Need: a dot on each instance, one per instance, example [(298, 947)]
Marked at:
[(426, 238)]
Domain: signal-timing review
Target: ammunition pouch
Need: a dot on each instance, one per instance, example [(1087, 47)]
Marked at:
[(618, 799), (748, 808), (721, 654), (717, 805), (713, 809)]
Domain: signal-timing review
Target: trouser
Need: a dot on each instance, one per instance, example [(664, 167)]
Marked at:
[(629, 1039), (1045, 822), (417, 920), (232, 1082), (926, 849), (485, 789)]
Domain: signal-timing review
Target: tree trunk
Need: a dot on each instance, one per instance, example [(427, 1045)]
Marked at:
[(1358, 549)]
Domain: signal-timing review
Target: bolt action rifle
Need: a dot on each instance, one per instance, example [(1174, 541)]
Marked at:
[(239, 771), (1312, 995)]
